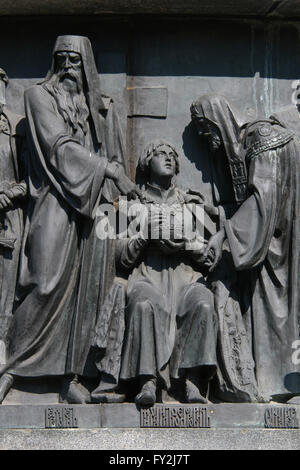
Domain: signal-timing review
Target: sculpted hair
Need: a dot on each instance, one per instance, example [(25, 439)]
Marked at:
[(147, 154)]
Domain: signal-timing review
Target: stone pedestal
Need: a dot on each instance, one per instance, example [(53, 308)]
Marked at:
[(117, 428)]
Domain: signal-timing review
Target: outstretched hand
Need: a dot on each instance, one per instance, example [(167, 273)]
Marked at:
[(129, 189), (126, 187), (214, 248), (5, 202), (212, 211)]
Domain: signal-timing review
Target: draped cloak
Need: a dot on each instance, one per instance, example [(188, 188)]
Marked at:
[(12, 173), (264, 236), (235, 379), (65, 270), (216, 109)]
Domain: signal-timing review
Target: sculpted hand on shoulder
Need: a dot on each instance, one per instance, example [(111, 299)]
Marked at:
[(116, 172)]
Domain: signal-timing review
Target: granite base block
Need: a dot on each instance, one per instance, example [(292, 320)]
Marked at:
[(162, 440), (169, 415)]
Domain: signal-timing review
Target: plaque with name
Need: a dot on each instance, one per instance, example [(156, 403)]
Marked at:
[(281, 418), (175, 417), (56, 417)]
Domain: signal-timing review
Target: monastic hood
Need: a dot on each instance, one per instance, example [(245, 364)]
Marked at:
[(82, 46)]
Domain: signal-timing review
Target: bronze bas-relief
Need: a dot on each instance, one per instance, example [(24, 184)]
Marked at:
[(205, 319)]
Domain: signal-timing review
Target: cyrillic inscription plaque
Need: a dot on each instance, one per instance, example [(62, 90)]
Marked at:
[(281, 418), (64, 417), (175, 417)]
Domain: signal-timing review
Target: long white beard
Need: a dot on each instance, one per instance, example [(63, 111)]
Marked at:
[(71, 105)]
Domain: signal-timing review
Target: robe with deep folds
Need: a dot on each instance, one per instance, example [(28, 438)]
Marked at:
[(171, 324), (264, 237), (65, 269), (235, 379), (12, 174)]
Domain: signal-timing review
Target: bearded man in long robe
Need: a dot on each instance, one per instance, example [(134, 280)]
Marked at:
[(76, 158)]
